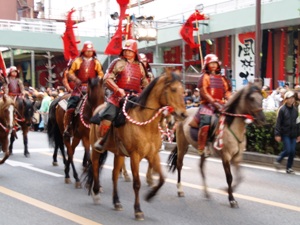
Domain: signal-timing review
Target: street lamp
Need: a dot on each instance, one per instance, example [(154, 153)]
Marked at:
[(144, 29)]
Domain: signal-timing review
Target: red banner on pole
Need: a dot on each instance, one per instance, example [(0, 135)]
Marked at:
[(188, 28), (114, 47), (2, 65)]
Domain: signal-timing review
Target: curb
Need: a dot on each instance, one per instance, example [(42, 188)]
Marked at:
[(248, 157)]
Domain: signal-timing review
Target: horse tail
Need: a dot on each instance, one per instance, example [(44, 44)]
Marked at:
[(172, 160), (53, 128)]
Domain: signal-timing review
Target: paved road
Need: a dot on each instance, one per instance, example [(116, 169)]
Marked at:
[(32, 191)]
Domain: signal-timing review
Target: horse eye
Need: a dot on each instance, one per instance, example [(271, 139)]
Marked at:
[(173, 89)]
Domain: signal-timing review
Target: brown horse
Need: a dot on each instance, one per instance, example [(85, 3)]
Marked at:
[(24, 113), (80, 125), (7, 106), (246, 103), (138, 139)]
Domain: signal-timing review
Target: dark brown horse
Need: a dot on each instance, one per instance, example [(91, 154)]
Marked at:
[(23, 116), (80, 125), (139, 138), (7, 106), (244, 104)]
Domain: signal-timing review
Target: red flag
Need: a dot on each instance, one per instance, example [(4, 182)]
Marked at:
[(70, 43), (114, 47), (2, 65), (187, 29)]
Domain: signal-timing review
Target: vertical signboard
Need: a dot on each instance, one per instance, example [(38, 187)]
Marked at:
[(245, 56)]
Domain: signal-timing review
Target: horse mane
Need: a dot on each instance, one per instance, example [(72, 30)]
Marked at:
[(235, 99), (142, 99)]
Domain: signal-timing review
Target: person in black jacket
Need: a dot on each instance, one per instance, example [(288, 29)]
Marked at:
[(287, 131)]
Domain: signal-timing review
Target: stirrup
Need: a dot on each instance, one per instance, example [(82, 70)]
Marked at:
[(98, 146)]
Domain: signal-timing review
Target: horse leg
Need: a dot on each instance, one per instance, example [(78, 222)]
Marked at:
[(157, 168), (135, 163), (125, 173), (182, 148), (118, 163), (5, 150), (54, 162), (75, 142), (95, 174), (69, 160), (11, 143), (202, 163), (149, 177), (25, 140), (226, 166), (86, 156)]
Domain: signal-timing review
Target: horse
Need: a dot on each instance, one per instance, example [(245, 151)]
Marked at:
[(7, 107), (24, 112), (246, 103), (80, 125), (137, 139)]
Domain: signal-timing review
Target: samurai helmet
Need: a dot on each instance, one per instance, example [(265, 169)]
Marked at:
[(131, 45), (88, 46)]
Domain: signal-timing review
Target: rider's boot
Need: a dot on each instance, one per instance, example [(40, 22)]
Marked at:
[(68, 123), (202, 139), (102, 131)]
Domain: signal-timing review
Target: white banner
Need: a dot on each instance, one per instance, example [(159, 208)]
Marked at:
[(244, 59)]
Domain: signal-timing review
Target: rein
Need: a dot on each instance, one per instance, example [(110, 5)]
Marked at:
[(81, 114), (218, 144), (4, 128), (164, 109)]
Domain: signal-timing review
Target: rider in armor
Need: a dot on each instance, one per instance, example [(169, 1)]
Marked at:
[(143, 58), (125, 75), (214, 91), (84, 67), (14, 85)]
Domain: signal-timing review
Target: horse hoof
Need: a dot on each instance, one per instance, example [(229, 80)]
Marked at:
[(54, 163), (78, 185), (139, 216), (27, 154), (96, 198), (233, 204), (118, 207), (180, 194), (68, 181)]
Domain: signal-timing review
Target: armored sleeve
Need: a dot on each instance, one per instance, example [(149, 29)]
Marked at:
[(112, 73), (73, 68), (144, 80), (98, 69), (21, 85)]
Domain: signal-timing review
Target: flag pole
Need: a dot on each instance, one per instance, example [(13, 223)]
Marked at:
[(199, 39)]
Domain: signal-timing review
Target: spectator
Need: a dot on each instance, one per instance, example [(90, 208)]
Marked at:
[(196, 97), (278, 96), (268, 102), (187, 94), (44, 110), (287, 131)]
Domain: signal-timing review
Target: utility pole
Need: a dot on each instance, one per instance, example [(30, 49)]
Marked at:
[(257, 39)]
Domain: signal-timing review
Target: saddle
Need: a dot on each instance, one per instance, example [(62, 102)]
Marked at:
[(194, 124), (64, 104)]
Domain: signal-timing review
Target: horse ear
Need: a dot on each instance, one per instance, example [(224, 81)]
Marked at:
[(258, 82)]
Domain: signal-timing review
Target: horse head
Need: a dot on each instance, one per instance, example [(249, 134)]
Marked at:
[(95, 92), (166, 90), (29, 110), (7, 107), (247, 101)]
